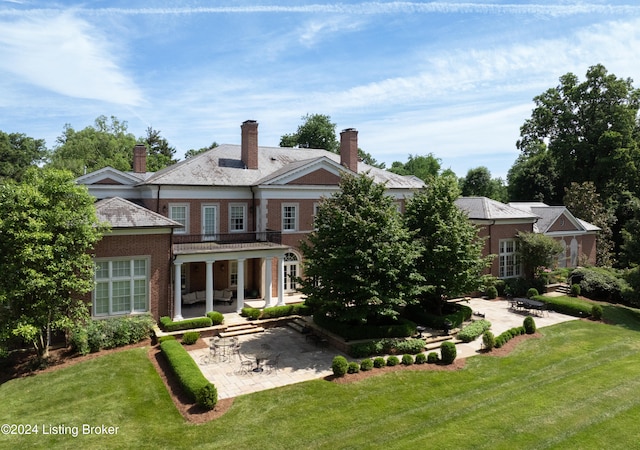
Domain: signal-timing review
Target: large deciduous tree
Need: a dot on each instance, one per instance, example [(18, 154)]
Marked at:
[(359, 260), (589, 130), (316, 131), (451, 260), (18, 152), (107, 143), (479, 183), (424, 167), (48, 226)]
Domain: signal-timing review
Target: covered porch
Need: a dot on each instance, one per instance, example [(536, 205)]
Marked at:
[(254, 268)]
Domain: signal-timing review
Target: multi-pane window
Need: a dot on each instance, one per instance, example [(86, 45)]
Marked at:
[(291, 265), (209, 221), (237, 217), (510, 265), (180, 213), (121, 287), (289, 217)]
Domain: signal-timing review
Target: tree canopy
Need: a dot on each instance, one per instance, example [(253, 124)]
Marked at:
[(479, 183), (18, 152), (106, 143), (159, 153), (48, 227), (193, 152), (537, 251), (316, 131), (359, 260), (451, 260), (581, 131), (424, 167)]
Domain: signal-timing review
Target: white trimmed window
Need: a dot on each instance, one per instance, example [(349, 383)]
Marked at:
[(510, 265), (180, 213), (122, 287), (291, 271), (210, 221), (289, 217), (233, 272), (237, 217)]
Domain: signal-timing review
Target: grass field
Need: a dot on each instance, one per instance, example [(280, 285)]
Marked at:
[(575, 387)]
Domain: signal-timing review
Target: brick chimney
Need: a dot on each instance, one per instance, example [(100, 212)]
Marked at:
[(349, 149), (249, 145), (140, 158)]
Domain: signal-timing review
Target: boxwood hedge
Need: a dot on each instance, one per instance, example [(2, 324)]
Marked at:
[(188, 373), (198, 322)]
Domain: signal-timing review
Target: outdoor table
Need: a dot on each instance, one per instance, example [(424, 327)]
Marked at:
[(528, 304), (222, 345), (260, 356)]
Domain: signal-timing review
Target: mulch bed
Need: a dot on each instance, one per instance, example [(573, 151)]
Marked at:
[(22, 367)]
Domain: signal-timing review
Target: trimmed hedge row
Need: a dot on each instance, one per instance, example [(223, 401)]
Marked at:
[(506, 336), (472, 331), (417, 314), (385, 347), (402, 328), (272, 312), (98, 334), (195, 385), (570, 306), (216, 317), (198, 322)]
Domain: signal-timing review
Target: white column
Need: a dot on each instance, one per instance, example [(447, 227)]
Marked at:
[(209, 288), (240, 292), (268, 282), (280, 280), (177, 291)]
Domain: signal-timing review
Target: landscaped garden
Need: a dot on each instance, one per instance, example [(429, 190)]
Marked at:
[(573, 387)]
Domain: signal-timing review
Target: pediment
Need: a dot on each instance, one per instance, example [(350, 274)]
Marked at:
[(317, 171), (109, 176)]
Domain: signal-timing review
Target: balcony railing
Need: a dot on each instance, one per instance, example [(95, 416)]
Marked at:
[(230, 238)]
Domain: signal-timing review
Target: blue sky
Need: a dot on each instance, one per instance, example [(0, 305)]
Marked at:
[(455, 79)]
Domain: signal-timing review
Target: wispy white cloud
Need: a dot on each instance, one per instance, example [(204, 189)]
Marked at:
[(65, 55), (397, 7)]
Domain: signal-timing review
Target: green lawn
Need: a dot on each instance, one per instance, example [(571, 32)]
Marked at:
[(576, 387)]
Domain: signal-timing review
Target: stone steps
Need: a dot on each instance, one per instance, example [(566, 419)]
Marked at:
[(239, 330)]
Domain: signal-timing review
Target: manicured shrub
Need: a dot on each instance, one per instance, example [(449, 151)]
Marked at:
[(448, 352), (168, 337), (433, 358), (95, 335), (421, 358), (207, 396), (407, 360), (398, 328), (596, 312), (575, 290), (353, 367), (379, 362), (570, 306), (599, 283), (492, 292), (529, 325), (366, 364), (473, 330), (198, 322), (456, 314), (499, 341), (251, 313), (190, 337), (184, 367), (216, 317), (339, 365), (532, 292), (392, 361), (410, 346), (488, 340)]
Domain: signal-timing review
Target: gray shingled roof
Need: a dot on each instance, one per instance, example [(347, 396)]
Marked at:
[(549, 215), (222, 166), (483, 208), (121, 213)]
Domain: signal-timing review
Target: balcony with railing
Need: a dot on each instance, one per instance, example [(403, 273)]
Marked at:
[(271, 236)]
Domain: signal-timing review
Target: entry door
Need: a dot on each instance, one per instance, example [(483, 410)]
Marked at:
[(210, 222), (291, 264)]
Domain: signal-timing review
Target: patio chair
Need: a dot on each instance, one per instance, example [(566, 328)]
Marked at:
[(272, 363), (246, 365)]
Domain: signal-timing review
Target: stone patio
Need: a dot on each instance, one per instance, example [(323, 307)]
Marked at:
[(301, 360)]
